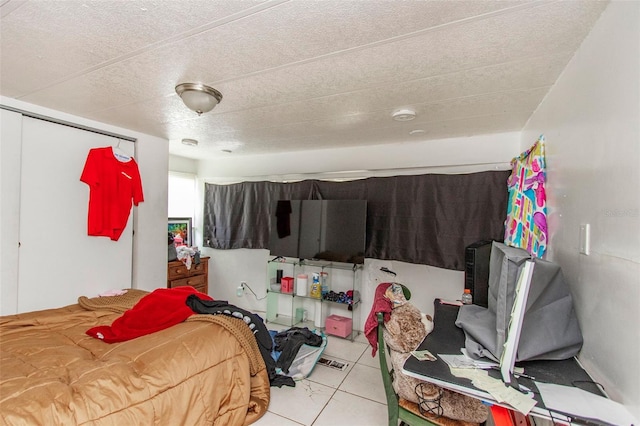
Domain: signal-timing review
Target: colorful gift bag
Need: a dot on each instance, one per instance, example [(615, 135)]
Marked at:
[(526, 224)]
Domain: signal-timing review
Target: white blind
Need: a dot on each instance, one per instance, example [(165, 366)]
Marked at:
[(182, 195)]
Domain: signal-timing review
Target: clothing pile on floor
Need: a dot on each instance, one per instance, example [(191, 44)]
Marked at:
[(297, 350)]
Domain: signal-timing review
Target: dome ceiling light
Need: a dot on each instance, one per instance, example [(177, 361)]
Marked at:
[(198, 97), (404, 115), (190, 142)]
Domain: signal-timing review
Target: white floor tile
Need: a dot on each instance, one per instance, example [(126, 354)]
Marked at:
[(366, 382), (301, 404), (344, 349), (271, 419), (280, 327), (367, 359), (330, 376), (358, 401), (350, 410), (361, 338)]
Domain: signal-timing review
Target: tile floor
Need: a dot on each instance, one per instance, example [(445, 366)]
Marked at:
[(330, 397)]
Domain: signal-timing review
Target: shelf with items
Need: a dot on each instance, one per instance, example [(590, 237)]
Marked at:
[(340, 283), (346, 294), (279, 301), (284, 309), (345, 282)]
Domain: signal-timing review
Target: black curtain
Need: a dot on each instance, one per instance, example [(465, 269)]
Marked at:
[(424, 219)]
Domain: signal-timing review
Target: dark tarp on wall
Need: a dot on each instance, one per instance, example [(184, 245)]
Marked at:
[(424, 219)]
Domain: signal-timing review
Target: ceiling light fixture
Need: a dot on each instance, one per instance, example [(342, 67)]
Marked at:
[(198, 97), (190, 142), (404, 115)]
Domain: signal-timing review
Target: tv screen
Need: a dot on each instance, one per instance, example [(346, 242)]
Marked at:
[(333, 230)]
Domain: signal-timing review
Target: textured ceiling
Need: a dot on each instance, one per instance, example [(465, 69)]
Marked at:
[(296, 74)]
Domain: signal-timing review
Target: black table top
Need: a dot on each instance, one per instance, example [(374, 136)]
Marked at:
[(446, 338)]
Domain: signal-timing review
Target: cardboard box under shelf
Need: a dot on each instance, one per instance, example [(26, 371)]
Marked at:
[(338, 325)]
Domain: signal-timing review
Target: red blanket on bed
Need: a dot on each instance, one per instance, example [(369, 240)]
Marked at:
[(156, 311)]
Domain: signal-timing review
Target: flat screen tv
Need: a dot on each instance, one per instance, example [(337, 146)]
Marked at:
[(333, 230)]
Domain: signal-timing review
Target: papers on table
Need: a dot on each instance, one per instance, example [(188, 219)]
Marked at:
[(563, 400), (501, 393), (458, 361), (584, 405), (474, 370), (424, 355), (463, 361)]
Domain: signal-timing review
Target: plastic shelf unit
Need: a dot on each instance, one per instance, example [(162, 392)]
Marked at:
[(342, 292)]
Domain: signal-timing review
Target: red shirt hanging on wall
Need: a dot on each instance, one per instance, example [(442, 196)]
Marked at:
[(113, 186)]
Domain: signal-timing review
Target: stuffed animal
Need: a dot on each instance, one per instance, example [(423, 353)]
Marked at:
[(406, 329)]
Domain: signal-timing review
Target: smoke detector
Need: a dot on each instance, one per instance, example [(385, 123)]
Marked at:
[(404, 115), (190, 142)]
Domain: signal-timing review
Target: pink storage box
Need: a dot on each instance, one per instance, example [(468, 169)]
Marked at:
[(287, 285), (338, 326)]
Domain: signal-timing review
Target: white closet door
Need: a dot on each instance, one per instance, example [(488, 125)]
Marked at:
[(58, 261)]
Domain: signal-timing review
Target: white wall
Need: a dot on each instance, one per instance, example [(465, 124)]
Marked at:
[(11, 130), (458, 155), (183, 165), (591, 121), (466, 154), (149, 242), (150, 239)]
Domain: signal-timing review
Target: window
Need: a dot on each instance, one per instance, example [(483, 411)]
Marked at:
[(182, 195)]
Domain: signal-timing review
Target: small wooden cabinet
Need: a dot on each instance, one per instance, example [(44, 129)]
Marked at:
[(196, 277)]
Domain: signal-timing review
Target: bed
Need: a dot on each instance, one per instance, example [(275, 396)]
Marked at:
[(205, 370)]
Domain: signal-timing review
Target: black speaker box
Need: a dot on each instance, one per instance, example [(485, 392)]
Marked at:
[(476, 273)]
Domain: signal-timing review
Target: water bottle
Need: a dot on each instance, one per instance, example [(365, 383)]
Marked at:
[(324, 283), (467, 299)]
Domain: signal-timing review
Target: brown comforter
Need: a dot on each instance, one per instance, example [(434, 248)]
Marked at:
[(207, 370)]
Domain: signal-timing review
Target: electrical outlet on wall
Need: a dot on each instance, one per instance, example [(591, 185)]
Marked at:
[(240, 289)]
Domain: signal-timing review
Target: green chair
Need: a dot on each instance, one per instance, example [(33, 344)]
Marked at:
[(394, 409), (398, 408)]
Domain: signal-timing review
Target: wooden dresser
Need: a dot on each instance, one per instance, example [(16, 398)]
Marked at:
[(197, 277)]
